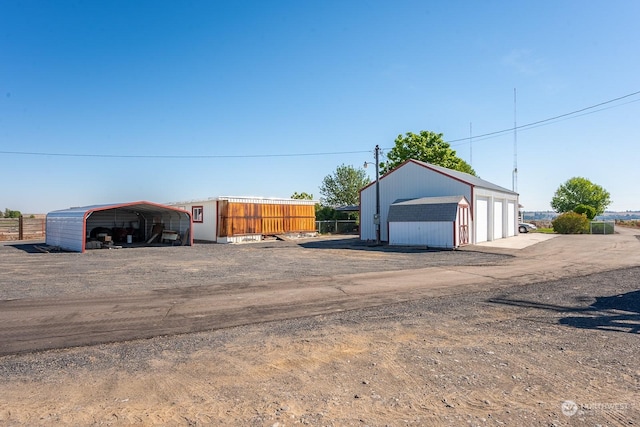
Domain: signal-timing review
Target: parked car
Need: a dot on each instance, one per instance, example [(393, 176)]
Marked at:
[(525, 227)]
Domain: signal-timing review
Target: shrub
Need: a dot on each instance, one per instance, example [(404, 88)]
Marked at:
[(571, 223)]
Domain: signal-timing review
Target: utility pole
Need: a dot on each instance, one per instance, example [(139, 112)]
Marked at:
[(376, 218)]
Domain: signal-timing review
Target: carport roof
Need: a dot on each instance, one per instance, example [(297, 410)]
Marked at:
[(140, 206)]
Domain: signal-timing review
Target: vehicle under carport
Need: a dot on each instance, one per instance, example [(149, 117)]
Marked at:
[(118, 225)]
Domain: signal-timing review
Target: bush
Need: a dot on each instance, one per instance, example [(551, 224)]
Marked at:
[(571, 223)]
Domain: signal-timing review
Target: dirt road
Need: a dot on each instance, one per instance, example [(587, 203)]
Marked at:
[(83, 318), (484, 337)]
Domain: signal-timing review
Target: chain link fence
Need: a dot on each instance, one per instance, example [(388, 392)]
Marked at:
[(602, 227), (337, 226)]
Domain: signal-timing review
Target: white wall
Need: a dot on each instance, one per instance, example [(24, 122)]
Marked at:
[(431, 234), (205, 230)]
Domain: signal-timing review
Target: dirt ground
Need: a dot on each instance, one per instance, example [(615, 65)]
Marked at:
[(323, 333)]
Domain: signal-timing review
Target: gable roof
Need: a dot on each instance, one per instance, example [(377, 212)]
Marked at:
[(426, 209), (466, 178)]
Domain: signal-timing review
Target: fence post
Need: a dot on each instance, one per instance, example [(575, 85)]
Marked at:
[(20, 228)]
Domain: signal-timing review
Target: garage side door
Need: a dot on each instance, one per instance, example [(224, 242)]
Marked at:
[(482, 220)]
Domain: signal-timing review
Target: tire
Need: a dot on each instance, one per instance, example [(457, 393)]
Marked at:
[(523, 229)]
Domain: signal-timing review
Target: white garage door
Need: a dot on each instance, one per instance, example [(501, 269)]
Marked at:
[(482, 220), (497, 220), (511, 218)]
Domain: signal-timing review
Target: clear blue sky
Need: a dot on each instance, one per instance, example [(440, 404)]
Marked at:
[(94, 84)]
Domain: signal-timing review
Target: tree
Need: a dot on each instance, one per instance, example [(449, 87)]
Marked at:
[(588, 211), (302, 196), (8, 213), (427, 147), (580, 191), (343, 187)]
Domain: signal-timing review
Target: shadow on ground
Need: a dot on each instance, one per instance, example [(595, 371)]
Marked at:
[(618, 313), (29, 248), (360, 245)]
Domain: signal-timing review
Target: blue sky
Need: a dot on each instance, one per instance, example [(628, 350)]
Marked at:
[(169, 101)]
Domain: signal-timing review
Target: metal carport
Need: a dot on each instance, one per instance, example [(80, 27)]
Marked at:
[(71, 229)]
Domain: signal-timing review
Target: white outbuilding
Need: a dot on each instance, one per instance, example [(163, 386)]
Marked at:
[(249, 219), (420, 199), (91, 227)]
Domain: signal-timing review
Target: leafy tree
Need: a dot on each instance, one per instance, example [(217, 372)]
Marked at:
[(571, 223), (427, 147), (589, 211), (580, 191), (302, 196), (343, 186), (8, 213), (327, 213)]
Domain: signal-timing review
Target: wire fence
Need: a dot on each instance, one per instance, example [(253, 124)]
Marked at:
[(22, 228), (602, 227), (337, 226)]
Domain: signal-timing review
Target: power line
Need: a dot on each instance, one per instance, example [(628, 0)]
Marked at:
[(333, 153), (193, 156), (547, 120)]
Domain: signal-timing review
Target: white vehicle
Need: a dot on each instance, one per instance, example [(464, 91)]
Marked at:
[(525, 227)]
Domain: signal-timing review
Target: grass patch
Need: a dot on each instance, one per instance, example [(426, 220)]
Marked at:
[(544, 230)]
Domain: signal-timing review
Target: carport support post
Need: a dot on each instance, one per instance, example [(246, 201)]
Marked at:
[(377, 219)]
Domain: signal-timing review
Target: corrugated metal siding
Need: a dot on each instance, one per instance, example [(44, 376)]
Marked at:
[(408, 182), (432, 234), (65, 232), (238, 218)]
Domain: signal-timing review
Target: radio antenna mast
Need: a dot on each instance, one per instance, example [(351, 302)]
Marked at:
[(470, 146), (514, 176)]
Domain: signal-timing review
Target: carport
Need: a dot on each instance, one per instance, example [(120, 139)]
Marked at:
[(121, 224)]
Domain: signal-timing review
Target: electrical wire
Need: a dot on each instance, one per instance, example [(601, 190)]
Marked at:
[(481, 137)]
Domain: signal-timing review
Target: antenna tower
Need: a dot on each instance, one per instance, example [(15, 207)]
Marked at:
[(514, 177)]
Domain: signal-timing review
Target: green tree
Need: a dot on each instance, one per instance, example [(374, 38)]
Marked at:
[(342, 188), (8, 213), (302, 196), (580, 191), (427, 147), (589, 211)]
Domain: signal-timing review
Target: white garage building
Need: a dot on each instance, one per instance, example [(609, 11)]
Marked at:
[(492, 213)]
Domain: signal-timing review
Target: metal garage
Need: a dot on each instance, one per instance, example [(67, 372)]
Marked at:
[(435, 222), (493, 209), (122, 224)]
